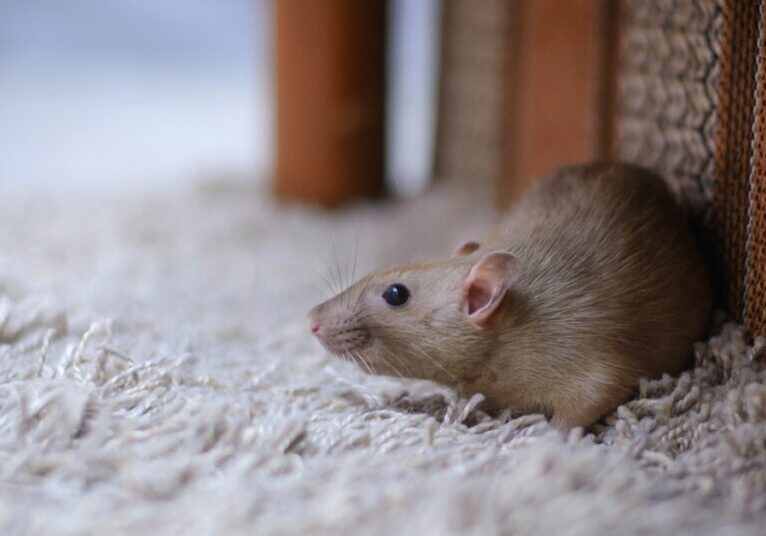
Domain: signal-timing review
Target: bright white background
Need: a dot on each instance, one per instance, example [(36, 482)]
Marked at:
[(136, 93)]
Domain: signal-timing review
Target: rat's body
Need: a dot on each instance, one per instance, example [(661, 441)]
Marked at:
[(592, 282)]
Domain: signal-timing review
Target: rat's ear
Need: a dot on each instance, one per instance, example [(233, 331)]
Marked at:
[(466, 248), (486, 285)]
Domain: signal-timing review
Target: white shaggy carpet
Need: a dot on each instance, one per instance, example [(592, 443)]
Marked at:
[(157, 377)]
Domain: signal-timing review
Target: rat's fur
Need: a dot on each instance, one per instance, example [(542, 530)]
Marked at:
[(611, 288)]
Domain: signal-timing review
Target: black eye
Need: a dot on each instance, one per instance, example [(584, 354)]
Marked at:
[(396, 295)]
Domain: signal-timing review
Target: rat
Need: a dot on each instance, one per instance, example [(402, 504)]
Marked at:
[(592, 281)]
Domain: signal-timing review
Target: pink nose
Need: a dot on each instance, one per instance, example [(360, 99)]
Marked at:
[(314, 326)]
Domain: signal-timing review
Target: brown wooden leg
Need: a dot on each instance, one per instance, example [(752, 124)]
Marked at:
[(331, 87), (561, 65)]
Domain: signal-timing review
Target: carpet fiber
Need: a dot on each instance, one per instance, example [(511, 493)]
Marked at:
[(157, 376)]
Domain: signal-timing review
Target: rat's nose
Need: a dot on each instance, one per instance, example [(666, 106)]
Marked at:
[(314, 323)]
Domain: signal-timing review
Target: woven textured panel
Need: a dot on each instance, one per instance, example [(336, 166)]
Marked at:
[(668, 79), (473, 89), (755, 264), (734, 138), (691, 90)]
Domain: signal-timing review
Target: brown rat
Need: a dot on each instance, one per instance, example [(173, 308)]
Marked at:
[(591, 282)]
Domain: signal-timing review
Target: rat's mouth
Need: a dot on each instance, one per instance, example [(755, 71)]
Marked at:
[(350, 345), (344, 341), (353, 344)]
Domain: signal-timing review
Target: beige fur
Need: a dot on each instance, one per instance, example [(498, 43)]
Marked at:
[(611, 289)]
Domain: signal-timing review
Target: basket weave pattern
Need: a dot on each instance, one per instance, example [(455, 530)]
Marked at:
[(692, 106), (668, 79)]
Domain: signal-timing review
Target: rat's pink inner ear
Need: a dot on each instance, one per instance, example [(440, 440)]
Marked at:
[(487, 283), (476, 298)]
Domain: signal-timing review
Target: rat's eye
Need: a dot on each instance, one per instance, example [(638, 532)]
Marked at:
[(396, 295)]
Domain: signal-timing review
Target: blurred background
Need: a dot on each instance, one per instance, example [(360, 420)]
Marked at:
[(114, 94), (330, 101)]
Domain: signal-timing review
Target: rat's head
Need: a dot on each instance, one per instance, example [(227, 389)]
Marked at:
[(426, 320)]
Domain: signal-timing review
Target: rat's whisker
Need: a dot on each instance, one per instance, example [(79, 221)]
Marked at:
[(416, 348), (358, 361), (424, 353), (349, 275), (356, 254), (329, 276), (390, 365), (349, 357), (395, 358), (338, 273), (367, 365), (359, 319), (328, 285), (320, 290), (348, 281), (359, 297), (332, 269)]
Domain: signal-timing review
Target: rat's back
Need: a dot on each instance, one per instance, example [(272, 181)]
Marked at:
[(613, 287)]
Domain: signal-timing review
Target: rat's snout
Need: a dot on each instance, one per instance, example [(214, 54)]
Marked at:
[(338, 334), (315, 323)]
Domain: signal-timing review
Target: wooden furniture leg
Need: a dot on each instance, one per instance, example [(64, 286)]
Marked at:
[(331, 92)]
